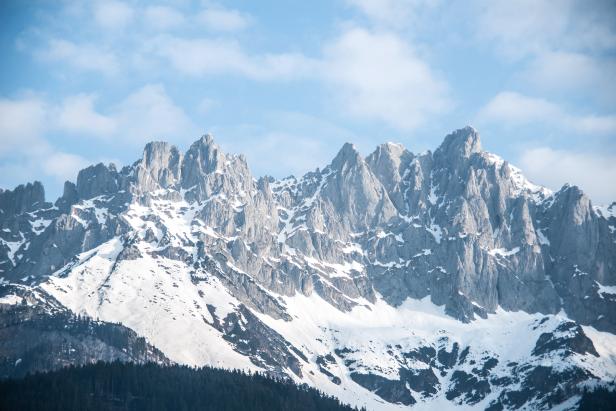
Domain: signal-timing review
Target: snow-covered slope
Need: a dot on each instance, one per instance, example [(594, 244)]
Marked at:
[(158, 298), (437, 280), (38, 333)]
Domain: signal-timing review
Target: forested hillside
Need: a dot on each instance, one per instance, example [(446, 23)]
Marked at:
[(122, 386)]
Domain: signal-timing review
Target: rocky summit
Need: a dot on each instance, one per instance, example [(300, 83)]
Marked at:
[(431, 281)]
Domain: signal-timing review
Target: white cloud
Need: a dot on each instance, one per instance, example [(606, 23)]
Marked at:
[(523, 26), (220, 19), (516, 109), (82, 56), (593, 173), (282, 149), (63, 166), (379, 76), (77, 115), (147, 113), (13, 173), (532, 26), (572, 72), (567, 46), (203, 56), (394, 13), (143, 115), (113, 15), (374, 75), (29, 126), (40, 162), (25, 154), (163, 17), (272, 147), (150, 114), (21, 122), (207, 104), (284, 66), (593, 124), (561, 69), (206, 56)]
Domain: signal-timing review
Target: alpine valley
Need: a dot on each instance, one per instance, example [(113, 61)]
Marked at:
[(442, 280)]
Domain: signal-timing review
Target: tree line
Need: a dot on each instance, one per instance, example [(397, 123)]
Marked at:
[(133, 387)]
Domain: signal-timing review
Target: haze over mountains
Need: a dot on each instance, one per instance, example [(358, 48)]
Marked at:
[(440, 279)]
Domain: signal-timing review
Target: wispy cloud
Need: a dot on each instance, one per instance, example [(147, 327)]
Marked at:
[(514, 109), (593, 172), (25, 153), (565, 47), (378, 76), (149, 113), (372, 75), (132, 71), (535, 26), (163, 17), (217, 18), (21, 122), (30, 124), (392, 13), (284, 142), (62, 166), (220, 56), (77, 115), (113, 15), (86, 57), (571, 72)]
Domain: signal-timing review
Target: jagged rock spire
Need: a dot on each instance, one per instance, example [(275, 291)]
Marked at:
[(348, 155), (203, 157), (460, 144), (23, 198), (159, 167)]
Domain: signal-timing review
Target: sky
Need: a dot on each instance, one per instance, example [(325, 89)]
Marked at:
[(288, 82)]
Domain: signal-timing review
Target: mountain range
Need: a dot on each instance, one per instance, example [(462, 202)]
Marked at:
[(433, 281)]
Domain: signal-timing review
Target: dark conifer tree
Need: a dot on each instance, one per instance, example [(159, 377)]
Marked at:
[(131, 387)]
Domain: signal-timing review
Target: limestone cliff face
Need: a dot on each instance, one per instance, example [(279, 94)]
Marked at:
[(22, 199), (459, 224), (182, 234), (38, 334)]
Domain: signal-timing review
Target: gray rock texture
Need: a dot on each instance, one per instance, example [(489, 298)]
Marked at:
[(459, 224), (39, 334)]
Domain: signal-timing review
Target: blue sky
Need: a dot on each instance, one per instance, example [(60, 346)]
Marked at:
[(287, 83)]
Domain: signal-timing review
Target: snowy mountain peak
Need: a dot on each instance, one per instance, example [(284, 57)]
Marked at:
[(461, 143), (207, 138), (22, 199), (159, 166), (204, 155), (391, 152), (347, 155), (398, 279), (96, 180)]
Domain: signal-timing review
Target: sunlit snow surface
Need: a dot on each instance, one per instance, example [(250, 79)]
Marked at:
[(156, 297)]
